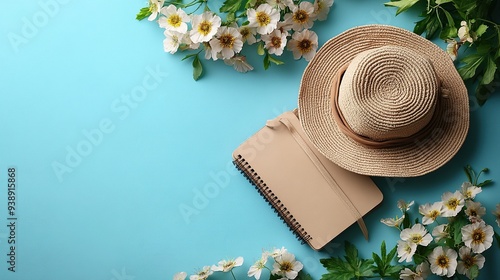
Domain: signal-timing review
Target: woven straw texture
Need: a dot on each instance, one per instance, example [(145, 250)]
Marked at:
[(450, 125)]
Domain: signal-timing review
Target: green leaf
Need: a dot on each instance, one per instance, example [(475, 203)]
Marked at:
[(440, 2), (489, 72), (472, 62), (456, 228), (383, 267), (275, 60), (481, 29), (230, 6), (197, 68), (406, 220), (304, 276), (473, 272), (143, 13), (449, 30), (430, 24), (266, 61), (402, 5), (260, 49), (485, 183), (497, 237), (352, 267)]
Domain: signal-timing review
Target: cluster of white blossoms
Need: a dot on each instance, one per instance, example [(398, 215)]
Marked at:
[(464, 36), (285, 267), (275, 24), (458, 237)]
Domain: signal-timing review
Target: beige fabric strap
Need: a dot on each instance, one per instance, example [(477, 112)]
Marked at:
[(365, 141), (326, 175)]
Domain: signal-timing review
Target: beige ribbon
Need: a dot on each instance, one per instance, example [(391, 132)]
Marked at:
[(321, 168)]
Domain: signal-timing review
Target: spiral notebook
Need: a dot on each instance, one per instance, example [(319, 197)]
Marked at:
[(314, 197)]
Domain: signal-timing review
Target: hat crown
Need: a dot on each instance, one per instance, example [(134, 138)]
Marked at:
[(388, 93)]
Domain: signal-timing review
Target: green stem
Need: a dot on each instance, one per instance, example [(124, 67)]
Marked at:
[(488, 21), (234, 277)]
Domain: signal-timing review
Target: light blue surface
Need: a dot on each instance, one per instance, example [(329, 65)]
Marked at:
[(115, 214)]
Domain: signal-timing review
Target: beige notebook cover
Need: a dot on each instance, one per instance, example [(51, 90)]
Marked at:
[(315, 198)]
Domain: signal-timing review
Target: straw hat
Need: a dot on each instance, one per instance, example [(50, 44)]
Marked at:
[(383, 101)]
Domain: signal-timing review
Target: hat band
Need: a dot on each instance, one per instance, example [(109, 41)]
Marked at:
[(366, 141)]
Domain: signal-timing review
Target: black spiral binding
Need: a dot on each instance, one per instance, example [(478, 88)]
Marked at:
[(244, 167)]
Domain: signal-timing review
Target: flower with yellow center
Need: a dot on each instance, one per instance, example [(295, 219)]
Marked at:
[(468, 260), (468, 190), (443, 261), (303, 44), (205, 26), (154, 8), (477, 236), (430, 212), (452, 203), (302, 16), (173, 19), (227, 265), (406, 250), (286, 265), (265, 18), (416, 234), (322, 8), (275, 42), (227, 42), (474, 210)]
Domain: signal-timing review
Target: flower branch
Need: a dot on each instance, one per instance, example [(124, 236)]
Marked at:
[(273, 24)]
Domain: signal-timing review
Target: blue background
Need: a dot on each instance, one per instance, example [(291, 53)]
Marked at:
[(115, 212)]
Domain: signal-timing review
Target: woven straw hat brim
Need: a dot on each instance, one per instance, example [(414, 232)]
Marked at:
[(414, 159)]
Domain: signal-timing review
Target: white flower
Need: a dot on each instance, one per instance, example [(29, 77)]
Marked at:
[(227, 265), (202, 274), (477, 236), (205, 26), (467, 260), (405, 206), (174, 19), (265, 18), (430, 212), (154, 8), (440, 232), (303, 44), (463, 33), (422, 271), (443, 261), (497, 214), (180, 276), (302, 16), (452, 203), (406, 250), (284, 27), (248, 34), (416, 234), (286, 265), (322, 8), (256, 269), (452, 48), (474, 211), (275, 42), (227, 41), (469, 191), (172, 41), (393, 222), (277, 252), (278, 4), (239, 63)]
